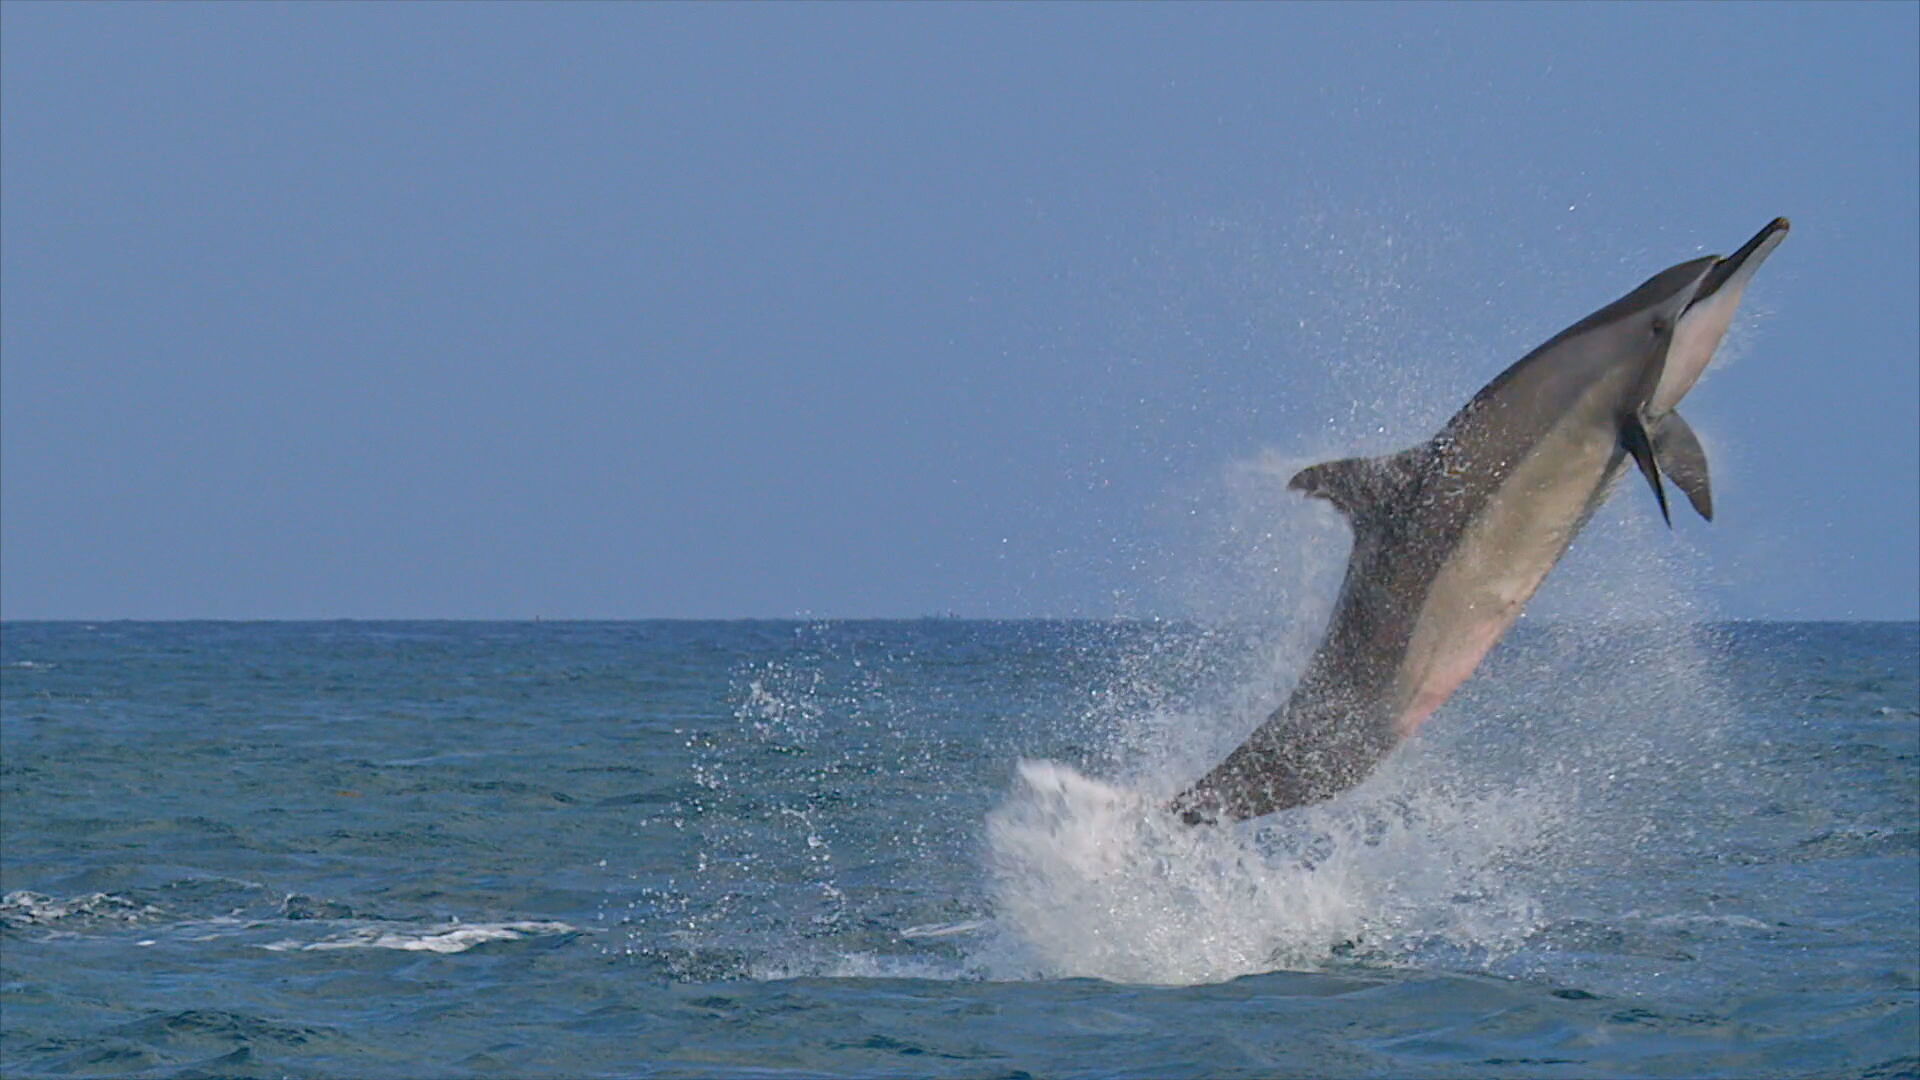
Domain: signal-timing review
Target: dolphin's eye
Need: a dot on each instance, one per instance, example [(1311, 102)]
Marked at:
[(1661, 325)]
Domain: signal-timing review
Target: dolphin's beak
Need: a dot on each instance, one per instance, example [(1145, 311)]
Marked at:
[(1706, 317), (1736, 268)]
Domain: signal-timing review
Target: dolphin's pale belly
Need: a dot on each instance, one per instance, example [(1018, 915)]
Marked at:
[(1502, 558)]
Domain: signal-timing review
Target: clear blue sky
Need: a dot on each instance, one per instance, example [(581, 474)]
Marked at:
[(611, 310)]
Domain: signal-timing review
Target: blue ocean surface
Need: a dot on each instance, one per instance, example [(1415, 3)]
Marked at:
[(934, 849)]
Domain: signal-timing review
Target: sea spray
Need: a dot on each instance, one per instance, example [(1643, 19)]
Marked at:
[(1555, 764), (1559, 762), (1097, 881), (1549, 764)]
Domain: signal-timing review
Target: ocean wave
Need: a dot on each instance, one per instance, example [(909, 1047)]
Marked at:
[(443, 938), (22, 908)]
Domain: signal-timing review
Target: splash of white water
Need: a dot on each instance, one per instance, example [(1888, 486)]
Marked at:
[(1552, 761), (1096, 880)]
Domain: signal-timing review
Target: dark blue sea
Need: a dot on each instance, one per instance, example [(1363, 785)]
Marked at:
[(932, 849)]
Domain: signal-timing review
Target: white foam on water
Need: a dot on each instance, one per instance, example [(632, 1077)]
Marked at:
[(444, 938), (863, 965), (24, 908), (1096, 880), (930, 931)]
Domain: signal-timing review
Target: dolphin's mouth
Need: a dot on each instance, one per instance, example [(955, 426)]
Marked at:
[(1740, 265)]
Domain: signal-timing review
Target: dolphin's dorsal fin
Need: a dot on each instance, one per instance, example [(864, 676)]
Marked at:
[(1358, 486), (1679, 454)]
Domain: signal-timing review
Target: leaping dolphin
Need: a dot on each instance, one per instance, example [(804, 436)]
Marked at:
[(1453, 536)]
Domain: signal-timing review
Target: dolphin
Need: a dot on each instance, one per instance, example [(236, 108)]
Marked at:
[(1453, 536)]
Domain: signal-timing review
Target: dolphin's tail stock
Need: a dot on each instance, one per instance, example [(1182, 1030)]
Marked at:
[(1298, 756)]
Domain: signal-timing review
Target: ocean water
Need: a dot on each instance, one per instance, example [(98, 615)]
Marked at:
[(932, 849)]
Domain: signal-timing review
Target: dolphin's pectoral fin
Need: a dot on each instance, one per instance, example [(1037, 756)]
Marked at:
[(1356, 485), (1679, 453), (1634, 437)]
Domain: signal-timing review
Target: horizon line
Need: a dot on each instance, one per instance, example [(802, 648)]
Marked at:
[(804, 618)]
